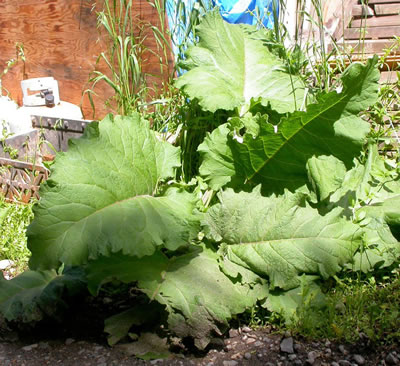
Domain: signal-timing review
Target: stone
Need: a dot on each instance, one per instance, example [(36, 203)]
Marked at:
[(246, 329), (258, 344), (311, 357), (250, 340), (342, 349), (236, 356), (30, 347), (287, 345), (344, 363), (156, 361), (292, 357), (230, 363), (247, 355), (69, 341), (233, 333), (6, 263), (359, 360), (297, 347), (391, 359), (334, 363)]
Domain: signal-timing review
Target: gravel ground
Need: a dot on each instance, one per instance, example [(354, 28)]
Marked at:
[(240, 347)]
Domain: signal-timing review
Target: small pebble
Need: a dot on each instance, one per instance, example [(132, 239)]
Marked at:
[(391, 359), (250, 340), (311, 357), (258, 344), (292, 357), (247, 355), (344, 363), (287, 345), (69, 341), (359, 360), (230, 363), (233, 333), (30, 347), (246, 329), (342, 349)]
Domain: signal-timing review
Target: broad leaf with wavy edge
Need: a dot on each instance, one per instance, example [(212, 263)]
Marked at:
[(228, 67), (198, 296), (277, 157), (33, 294), (101, 198), (281, 237), (373, 191)]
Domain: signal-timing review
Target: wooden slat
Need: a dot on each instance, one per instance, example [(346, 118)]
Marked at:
[(387, 9), (362, 11), (372, 32), (371, 2), (367, 47), (388, 77), (383, 21)]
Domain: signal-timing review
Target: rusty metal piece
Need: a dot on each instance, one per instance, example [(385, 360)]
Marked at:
[(20, 181)]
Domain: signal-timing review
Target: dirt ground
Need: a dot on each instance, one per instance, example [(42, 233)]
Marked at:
[(242, 346)]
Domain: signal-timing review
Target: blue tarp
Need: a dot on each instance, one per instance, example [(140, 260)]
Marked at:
[(179, 14), (248, 11)]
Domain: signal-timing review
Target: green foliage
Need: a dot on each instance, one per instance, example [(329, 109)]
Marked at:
[(277, 157), (229, 66), (370, 306), (305, 203), (101, 198), (14, 219), (123, 59), (34, 294)]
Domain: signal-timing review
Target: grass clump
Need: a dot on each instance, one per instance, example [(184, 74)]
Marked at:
[(356, 308), (14, 219)]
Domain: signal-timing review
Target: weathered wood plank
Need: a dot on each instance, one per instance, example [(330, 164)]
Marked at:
[(382, 21), (371, 2), (362, 11), (366, 47), (372, 32), (388, 77), (387, 9)]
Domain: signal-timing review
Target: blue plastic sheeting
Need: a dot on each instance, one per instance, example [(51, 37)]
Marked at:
[(249, 11), (180, 12)]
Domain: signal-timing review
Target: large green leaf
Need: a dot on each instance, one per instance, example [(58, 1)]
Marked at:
[(218, 166), (290, 304), (277, 157), (198, 296), (101, 198), (369, 193), (229, 66), (33, 294), (281, 237)]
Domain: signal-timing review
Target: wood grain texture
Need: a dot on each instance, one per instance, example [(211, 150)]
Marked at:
[(381, 21), (362, 11), (367, 47), (387, 9), (61, 39), (371, 2), (372, 32)]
